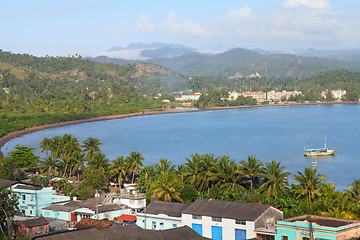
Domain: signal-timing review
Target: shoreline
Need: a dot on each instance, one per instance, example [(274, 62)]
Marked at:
[(12, 135)]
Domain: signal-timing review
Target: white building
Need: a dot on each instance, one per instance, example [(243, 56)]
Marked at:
[(190, 97), (218, 219), (337, 94), (161, 215)]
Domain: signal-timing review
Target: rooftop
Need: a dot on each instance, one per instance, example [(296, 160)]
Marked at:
[(98, 224), (226, 209), (41, 221), (73, 205), (322, 221), (28, 187), (6, 183), (168, 208)]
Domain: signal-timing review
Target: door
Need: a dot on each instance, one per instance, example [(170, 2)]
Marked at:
[(73, 217), (197, 228), (240, 234), (216, 233)]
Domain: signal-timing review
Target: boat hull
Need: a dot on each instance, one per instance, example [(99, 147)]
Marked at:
[(320, 154)]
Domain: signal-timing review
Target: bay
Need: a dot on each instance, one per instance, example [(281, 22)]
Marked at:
[(277, 133)]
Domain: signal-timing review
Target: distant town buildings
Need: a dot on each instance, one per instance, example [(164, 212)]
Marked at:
[(337, 94), (264, 96), (190, 97)]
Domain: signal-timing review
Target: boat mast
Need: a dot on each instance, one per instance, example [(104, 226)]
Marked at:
[(325, 141)]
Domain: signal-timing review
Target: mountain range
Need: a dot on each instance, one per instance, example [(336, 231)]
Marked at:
[(237, 62)]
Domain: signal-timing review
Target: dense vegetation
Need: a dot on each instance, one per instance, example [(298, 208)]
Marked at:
[(201, 176)]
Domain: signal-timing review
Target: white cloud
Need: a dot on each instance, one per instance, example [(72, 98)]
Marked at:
[(144, 23), (317, 4), (186, 27), (239, 13)]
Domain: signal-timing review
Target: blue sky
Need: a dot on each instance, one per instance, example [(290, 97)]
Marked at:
[(62, 27)]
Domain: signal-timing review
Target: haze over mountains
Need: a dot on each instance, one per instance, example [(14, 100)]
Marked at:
[(238, 62)]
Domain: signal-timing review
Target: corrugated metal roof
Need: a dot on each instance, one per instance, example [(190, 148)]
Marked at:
[(6, 183), (226, 209), (40, 221), (168, 208)]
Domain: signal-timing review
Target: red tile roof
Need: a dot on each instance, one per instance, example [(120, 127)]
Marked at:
[(127, 218)]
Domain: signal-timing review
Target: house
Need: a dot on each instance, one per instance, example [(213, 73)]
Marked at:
[(190, 97), (337, 94), (32, 198), (98, 224), (161, 215), (219, 219), (32, 227), (127, 219), (317, 227), (129, 232), (76, 210), (128, 196)]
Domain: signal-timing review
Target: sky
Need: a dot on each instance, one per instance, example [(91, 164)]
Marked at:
[(66, 27)]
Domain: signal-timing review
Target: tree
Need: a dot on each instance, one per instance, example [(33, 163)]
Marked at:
[(8, 209), (100, 162), (164, 167), (91, 146), (78, 163), (45, 145), (275, 179), (134, 162), (50, 166), (251, 168), (118, 169), (193, 169), (24, 157), (206, 173), (309, 183), (165, 187), (354, 190)]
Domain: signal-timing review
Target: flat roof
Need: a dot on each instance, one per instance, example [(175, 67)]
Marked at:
[(322, 220)]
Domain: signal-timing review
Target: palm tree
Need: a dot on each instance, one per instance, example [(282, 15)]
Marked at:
[(181, 170), (206, 172), (164, 167), (354, 190), (78, 163), (45, 145), (233, 182), (193, 169), (50, 166), (91, 146), (222, 169), (70, 148), (100, 162), (56, 147), (251, 168), (165, 187), (134, 162), (118, 169), (309, 183), (275, 179)]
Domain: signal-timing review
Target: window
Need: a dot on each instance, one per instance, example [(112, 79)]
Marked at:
[(153, 224), (30, 212), (238, 221), (305, 238), (283, 237), (196, 217), (174, 225), (23, 197), (216, 219)]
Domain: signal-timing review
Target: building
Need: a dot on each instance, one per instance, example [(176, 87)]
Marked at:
[(317, 227), (218, 219), (76, 210), (161, 215), (190, 97), (129, 232), (98, 224), (128, 196), (337, 94), (259, 96), (32, 227), (32, 198)]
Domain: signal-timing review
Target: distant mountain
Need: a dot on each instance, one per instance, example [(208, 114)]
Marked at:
[(301, 63)]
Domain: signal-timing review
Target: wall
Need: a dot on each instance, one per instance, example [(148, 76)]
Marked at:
[(228, 226), (161, 218)]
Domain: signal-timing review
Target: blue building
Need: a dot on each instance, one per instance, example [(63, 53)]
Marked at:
[(308, 227)]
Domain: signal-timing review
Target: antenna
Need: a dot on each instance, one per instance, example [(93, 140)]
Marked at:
[(325, 141)]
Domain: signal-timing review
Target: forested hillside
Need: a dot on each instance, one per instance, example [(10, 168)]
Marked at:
[(37, 91)]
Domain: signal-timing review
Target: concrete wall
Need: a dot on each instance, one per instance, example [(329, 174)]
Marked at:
[(167, 222), (228, 226)]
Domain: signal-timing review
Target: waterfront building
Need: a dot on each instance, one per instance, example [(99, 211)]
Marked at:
[(190, 97), (337, 94), (76, 210), (317, 227), (161, 215), (219, 219)]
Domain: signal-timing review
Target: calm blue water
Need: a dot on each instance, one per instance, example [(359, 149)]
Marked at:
[(269, 133)]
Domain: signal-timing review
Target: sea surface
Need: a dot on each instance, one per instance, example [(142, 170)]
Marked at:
[(277, 133)]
